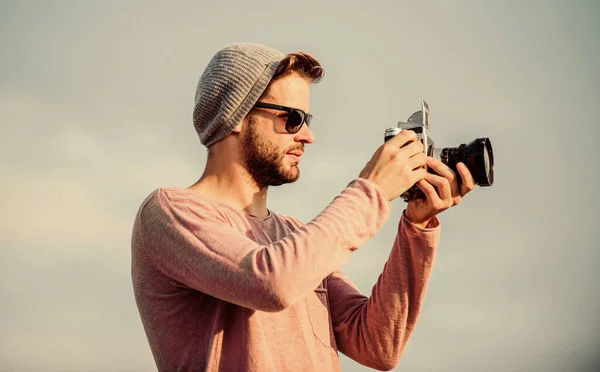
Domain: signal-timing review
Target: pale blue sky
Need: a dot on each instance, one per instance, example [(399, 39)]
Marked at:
[(95, 109)]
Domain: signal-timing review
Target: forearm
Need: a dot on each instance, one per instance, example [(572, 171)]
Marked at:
[(374, 331)]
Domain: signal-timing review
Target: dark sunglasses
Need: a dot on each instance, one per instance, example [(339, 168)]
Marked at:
[(295, 119)]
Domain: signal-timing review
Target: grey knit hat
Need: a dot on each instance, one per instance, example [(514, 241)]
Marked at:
[(232, 82)]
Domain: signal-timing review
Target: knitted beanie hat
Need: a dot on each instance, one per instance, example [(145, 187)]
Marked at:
[(232, 82)]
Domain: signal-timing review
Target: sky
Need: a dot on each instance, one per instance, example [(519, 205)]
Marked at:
[(96, 103)]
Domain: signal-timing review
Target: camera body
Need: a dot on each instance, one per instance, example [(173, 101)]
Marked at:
[(476, 155)]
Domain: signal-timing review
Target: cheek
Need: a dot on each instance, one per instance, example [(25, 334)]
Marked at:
[(273, 146), (276, 143)]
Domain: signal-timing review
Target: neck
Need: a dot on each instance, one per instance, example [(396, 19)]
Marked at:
[(227, 181)]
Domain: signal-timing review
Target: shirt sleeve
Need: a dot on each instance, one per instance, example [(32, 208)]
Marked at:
[(194, 245), (374, 330)]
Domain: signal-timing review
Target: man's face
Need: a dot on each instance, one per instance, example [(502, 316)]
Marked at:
[(271, 154)]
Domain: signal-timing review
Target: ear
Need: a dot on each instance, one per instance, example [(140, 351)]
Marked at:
[(238, 128)]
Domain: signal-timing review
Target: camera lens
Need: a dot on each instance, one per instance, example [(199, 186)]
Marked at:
[(477, 155)]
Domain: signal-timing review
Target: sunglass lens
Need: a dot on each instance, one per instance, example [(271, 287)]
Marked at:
[(295, 120)]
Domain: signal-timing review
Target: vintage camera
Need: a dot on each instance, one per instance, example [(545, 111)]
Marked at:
[(477, 155)]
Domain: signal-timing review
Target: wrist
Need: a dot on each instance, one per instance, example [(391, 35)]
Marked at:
[(420, 223)]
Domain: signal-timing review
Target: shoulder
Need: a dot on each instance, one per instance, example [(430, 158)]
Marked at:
[(173, 201)]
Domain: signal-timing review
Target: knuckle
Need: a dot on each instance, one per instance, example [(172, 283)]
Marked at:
[(409, 133), (405, 137), (416, 146), (389, 152), (387, 147)]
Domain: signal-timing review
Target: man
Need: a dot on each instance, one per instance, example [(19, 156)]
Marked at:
[(223, 283)]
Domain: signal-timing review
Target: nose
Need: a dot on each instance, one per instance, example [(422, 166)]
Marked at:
[(304, 135)]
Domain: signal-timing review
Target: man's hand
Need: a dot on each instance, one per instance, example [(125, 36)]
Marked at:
[(396, 167), (442, 191)]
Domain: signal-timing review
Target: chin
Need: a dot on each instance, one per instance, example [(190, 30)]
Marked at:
[(294, 171), (292, 175)]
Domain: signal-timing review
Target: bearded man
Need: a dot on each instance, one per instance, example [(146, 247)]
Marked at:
[(223, 283)]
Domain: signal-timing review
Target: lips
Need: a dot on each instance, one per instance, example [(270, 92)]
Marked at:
[(295, 155)]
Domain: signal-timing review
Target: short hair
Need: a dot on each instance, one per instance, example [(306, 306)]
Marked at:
[(301, 63)]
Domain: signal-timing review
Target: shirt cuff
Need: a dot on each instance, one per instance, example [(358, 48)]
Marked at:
[(433, 224)]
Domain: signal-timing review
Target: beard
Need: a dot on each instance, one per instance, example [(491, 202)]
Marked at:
[(264, 161)]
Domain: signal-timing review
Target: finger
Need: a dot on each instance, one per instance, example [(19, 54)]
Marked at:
[(418, 175), (417, 161), (440, 168), (468, 183), (445, 171), (430, 192), (442, 186), (402, 138), (413, 148)]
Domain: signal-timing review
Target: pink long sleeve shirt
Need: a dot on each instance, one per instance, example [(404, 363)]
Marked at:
[(221, 290)]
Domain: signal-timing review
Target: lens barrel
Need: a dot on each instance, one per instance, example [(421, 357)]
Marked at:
[(477, 155)]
